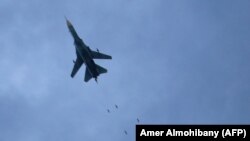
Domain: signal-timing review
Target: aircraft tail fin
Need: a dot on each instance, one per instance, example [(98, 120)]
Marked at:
[(101, 69)]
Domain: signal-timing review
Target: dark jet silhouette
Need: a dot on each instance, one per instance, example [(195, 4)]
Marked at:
[(138, 120), (108, 110), (125, 132), (85, 55), (116, 106)]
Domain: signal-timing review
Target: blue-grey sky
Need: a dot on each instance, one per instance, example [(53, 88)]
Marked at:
[(174, 62)]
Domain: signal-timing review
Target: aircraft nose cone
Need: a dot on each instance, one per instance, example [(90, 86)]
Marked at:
[(68, 23)]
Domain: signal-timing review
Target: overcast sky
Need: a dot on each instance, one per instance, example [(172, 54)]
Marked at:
[(174, 62)]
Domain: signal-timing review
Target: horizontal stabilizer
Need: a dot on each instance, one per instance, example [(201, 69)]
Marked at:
[(100, 69)]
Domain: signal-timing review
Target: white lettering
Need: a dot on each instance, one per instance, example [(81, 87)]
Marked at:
[(151, 133)]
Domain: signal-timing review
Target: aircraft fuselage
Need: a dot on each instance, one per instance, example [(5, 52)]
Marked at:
[(84, 52)]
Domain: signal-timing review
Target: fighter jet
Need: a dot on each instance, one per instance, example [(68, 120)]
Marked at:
[(138, 120), (116, 106), (85, 55), (108, 110)]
